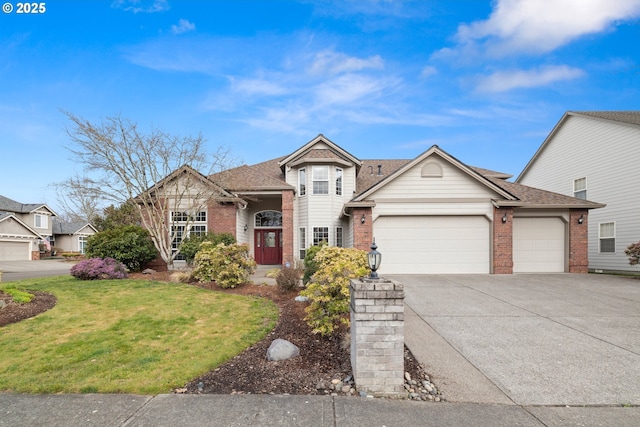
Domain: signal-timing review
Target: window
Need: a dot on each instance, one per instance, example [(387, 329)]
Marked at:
[(580, 188), (179, 217), (320, 234), (338, 182), (82, 242), (607, 236), (41, 221), (339, 237), (268, 219), (320, 179), (179, 230), (198, 230), (303, 242), (184, 216), (302, 182)]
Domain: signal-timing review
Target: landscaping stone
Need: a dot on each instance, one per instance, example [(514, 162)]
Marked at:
[(282, 350)]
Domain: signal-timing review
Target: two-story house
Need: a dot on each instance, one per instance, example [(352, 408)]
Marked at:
[(23, 228), (430, 214), (595, 155)]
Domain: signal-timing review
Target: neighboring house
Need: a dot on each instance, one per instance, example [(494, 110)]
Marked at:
[(431, 214), (71, 236), (23, 229), (596, 155)]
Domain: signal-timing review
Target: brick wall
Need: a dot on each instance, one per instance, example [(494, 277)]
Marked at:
[(578, 241), (502, 241), (362, 233), (221, 218), (287, 227)]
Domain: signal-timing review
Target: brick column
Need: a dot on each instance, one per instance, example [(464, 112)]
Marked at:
[(287, 228), (362, 233), (502, 241), (377, 336), (578, 241)]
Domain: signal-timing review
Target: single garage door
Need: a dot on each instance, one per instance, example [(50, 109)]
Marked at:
[(15, 251), (538, 245), (433, 244)]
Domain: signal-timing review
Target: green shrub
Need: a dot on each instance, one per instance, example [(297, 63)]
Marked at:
[(288, 279), (129, 244), (227, 265), (98, 269), (190, 245), (328, 291), (310, 264)]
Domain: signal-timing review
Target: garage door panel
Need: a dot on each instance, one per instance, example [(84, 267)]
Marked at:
[(538, 245), (433, 244), (15, 251)]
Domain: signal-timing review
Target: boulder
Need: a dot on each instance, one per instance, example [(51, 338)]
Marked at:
[(282, 350)]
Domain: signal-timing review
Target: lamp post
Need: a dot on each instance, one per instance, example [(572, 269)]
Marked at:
[(374, 258)]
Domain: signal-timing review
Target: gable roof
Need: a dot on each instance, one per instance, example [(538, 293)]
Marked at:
[(435, 150), (627, 118), (8, 216), (305, 152), (60, 227), (263, 176), (9, 205)]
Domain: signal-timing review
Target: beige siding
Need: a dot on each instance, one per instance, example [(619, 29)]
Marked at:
[(607, 155)]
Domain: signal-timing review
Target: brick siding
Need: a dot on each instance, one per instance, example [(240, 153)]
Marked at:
[(362, 233), (578, 241), (502, 241), (287, 228)]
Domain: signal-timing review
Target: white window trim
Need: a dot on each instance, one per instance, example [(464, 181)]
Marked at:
[(578, 190), (314, 179), (302, 182), (600, 237), (313, 235), (44, 221), (339, 174)]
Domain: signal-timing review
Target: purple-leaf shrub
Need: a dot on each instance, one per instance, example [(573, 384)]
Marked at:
[(99, 268)]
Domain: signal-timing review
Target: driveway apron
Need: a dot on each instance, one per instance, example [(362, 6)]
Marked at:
[(545, 339)]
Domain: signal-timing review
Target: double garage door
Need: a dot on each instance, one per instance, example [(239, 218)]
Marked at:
[(462, 244), (433, 244), (15, 251)]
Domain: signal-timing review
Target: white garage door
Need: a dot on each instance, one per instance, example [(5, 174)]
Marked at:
[(15, 251), (538, 245), (433, 244)]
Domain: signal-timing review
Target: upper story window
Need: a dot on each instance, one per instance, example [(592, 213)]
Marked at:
[(338, 182), (184, 216), (41, 221), (268, 219), (302, 182), (580, 188), (320, 177)]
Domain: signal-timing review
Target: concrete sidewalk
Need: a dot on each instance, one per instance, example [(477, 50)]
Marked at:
[(283, 410)]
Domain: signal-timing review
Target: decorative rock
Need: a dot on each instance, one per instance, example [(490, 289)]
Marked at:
[(148, 271), (407, 376), (300, 298), (282, 350), (321, 385)]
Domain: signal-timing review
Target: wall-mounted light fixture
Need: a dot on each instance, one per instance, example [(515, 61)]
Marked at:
[(363, 219), (581, 219), (504, 218), (246, 227)]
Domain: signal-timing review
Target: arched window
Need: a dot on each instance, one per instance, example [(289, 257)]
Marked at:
[(268, 219)]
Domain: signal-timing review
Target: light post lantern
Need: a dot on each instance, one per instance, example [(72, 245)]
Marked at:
[(374, 258)]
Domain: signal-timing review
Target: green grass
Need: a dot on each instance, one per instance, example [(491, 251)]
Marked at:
[(129, 336)]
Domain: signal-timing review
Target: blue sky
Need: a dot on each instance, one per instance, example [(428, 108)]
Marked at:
[(484, 80)]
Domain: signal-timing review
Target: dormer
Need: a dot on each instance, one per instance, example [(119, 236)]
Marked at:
[(319, 151)]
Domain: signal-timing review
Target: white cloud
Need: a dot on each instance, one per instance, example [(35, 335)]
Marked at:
[(503, 81), (428, 71), (144, 6), (349, 88), (257, 87), (538, 26), (330, 62), (183, 26)]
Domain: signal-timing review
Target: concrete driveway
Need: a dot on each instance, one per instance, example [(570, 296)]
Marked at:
[(17, 270), (555, 339)]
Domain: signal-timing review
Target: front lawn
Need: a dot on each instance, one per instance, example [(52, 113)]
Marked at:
[(128, 336)]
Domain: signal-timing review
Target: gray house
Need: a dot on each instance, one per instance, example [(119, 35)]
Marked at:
[(23, 228), (71, 236), (594, 155)]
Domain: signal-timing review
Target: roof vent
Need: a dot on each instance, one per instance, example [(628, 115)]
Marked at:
[(379, 170)]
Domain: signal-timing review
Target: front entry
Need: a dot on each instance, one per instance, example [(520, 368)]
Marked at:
[(268, 246)]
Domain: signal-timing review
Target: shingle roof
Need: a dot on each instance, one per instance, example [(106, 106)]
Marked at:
[(268, 176), (60, 227), (630, 117), (9, 205)]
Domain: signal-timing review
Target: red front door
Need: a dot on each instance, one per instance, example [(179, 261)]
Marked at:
[(268, 248)]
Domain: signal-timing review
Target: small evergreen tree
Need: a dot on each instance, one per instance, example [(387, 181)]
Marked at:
[(130, 244)]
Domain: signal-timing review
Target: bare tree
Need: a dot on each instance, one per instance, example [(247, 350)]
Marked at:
[(78, 198), (159, 171)]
